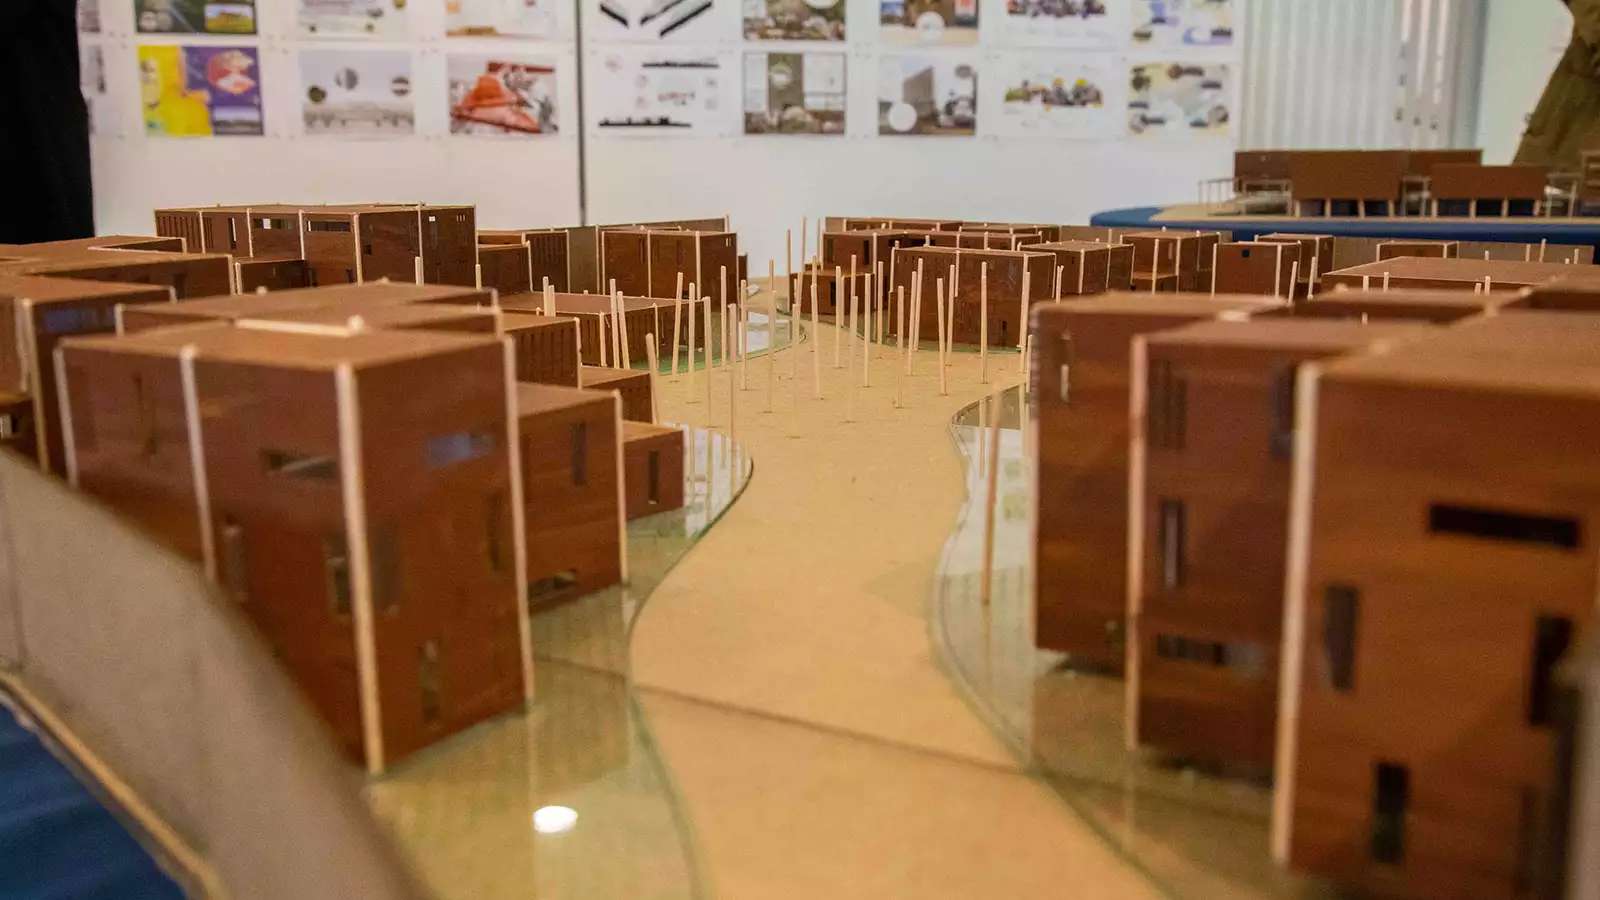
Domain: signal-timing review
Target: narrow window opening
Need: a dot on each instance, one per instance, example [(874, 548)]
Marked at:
[(1167, 417), (1502, 525), (235, 565), (1171, 528), (428, 680), (1551, 637), (300, 465), (336, 566), (149, 435), (1341, 607), (1283, 408), (655, 476), (1390, 793), (554, 585)]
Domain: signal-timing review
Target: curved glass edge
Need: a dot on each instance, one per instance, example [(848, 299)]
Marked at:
[(1190, 833), (479, 813)]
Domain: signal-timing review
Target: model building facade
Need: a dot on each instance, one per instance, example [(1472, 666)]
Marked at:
[(547, 252), (1080, 388), (652, 458), (647, 262), (633, 387), (1410, 773), (1212, 442), (571, 455), (1016, 280)]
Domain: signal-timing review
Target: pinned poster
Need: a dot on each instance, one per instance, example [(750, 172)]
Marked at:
[(490, 18), (928, 22), (357, 93), (92, 79), (195, 16), (497, 97), (794, 20), (794, 93), (1086, 24), (1180, 99), (1056, 95), (352, 18), (928, 95), (1183, 23), (200, 91), (653, 21), (659, 95), (89, 16)]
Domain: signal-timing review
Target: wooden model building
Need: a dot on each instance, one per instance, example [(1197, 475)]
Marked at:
[(1079, 389), (252, 275), (1266, 267), (572, 481), (1458, 274), (1471, 184), (632, 386), (834, 287), (1361, 178), (1434, 249), (1572, 841), (36, 313), (547, 254), (354, 298), (16, 424), (375, 536), (1211, 444), (647, 263), (1086, 267), (114, 259), (652, 459), (1444, 497), (1436, 306), (545, 347), (1016, 279), (1316, 254), (1578, 292), (1172, 260), (505, 268), (598, 336)]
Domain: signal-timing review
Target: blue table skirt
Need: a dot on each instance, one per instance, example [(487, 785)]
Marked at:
[(57, 842), (1518, 231)]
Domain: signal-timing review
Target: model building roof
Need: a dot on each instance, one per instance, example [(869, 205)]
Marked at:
[(1414, 297), (409, 315), (970, 251), (638, 431), (533, 399), (517, 321), (1538, 352), (325, 352), (48, 289), (580, 304), (1068, 245), (601, 376), (78, 245), (1141, 303), (1508, 272), (352, 296), (1309, 335)]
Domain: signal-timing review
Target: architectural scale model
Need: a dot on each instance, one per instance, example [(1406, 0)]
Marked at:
[(1079, 385), (1448, 273), (1017, 280), (1437, 306), (1172, 260), (547, 254), (1259, 267), (652, 459), (1210, 454)]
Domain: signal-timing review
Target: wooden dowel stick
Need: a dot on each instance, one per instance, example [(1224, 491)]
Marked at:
[(1294, 279), (1311, 284), (744, 333), (991, 495), (939, 298), (655, 390), (711, 371), (839, 301), (772, 332), (622, 320), (816, 345), (677, 313), (983, 321), (866, 335), (722, 309), (1386, 282), (850, 392), (693, 316), (1542, 243)]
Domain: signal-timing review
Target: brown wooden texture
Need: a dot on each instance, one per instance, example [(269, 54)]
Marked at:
[(652, 460), (569, 484), (1005, 271), (1258, 268), (632, 386)]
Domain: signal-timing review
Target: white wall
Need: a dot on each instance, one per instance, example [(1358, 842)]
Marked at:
[(1523, 42), (765, 183)]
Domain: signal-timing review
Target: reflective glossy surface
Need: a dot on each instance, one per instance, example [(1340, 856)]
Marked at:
[(1195, 834), (466, 810)]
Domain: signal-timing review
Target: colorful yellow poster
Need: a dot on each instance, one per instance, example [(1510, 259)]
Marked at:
[(200, 91)]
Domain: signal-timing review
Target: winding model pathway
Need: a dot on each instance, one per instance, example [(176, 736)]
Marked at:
[(787, 672)]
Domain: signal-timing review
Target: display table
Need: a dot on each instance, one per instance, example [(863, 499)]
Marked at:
[(1522, 230)]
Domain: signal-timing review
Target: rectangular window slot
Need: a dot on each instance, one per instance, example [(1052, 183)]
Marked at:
[(1391, 788), (580, 453), (1171, 527), (1168, 413), (336, 565), (78, 320), (1501, 525), (1245, 659), (145, 407), (300, 465), (458, 447), (315, 225), (233, 234), (554, 585), (235, 571), (655, 476), (428, 680), (1341, 608), (1283, 407), (1551, 637), (494, 522), (366, 249)]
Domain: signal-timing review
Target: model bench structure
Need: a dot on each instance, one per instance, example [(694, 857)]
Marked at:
[(1079, 387), (1016, 280), (375, 537), (1211, 447), (1420, 522)]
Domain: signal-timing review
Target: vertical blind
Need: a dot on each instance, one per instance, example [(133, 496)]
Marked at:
[(1361, 73)]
